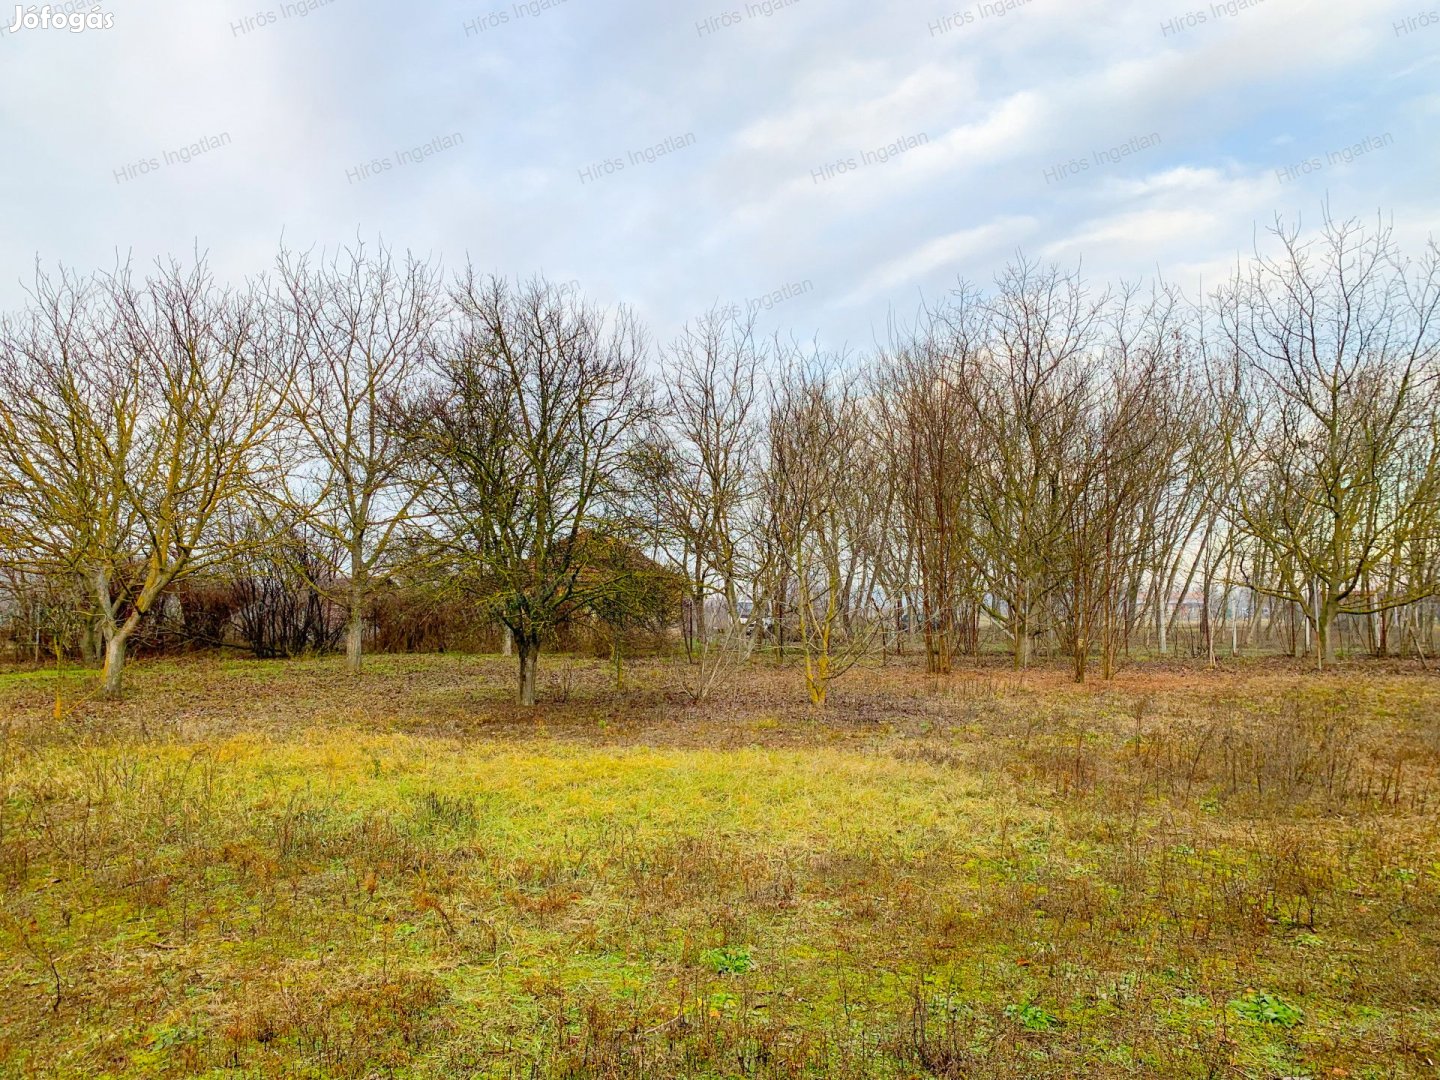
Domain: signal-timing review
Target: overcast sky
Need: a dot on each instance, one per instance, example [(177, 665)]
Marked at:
[(1186, 131)]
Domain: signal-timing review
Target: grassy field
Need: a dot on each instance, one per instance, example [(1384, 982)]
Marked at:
[(270, 869)]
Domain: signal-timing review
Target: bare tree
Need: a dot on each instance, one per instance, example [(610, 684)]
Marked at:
[(921, 391), (1117, 464), (820, 489), (140, 410), (1328, 382), (64, 400), (1030, 405), (539, 400), (699, 470), (361, 328)]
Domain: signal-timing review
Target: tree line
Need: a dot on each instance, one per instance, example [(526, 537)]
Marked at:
[(1042, 463)]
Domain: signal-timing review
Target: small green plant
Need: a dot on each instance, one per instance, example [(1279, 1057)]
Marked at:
[(1260, 1007), (1032, 1017), (728, 960)]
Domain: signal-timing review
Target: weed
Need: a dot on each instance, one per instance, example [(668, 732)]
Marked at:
[(1260, 1007), (727, 960), (1032, 1017)]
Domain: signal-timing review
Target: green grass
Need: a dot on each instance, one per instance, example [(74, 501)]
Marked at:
[(265, 869)]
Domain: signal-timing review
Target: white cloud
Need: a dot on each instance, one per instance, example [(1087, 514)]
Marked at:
[(945, 256), (770, 100)]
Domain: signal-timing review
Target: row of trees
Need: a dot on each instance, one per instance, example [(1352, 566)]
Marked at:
[(1045, 462)]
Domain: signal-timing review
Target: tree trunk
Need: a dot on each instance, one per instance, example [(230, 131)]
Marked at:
[(1325, 634), (1081, 657), (1021, 621), (90, 643), (1162, 621), (114, 662), (778, 612), (529, 653), (1207, 627), (355, 629), (1252, 624), (355, 636), (507, 643)]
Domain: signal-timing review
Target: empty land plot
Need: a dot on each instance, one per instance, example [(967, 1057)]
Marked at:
[(266, 869)]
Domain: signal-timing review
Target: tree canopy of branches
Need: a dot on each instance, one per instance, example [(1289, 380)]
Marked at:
[(1328, 389), (1042, 467), (538, 401), (138, 412), (360, 329)]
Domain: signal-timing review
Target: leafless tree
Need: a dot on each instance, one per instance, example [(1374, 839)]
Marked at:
[(361, 328), (1327, 376), (821, 495), (529, 431), (699, 473), (1030, 404), (926, 420), (139, 410)]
